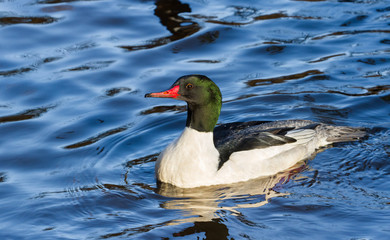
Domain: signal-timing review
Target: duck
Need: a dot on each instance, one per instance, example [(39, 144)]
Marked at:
[(206, 155)]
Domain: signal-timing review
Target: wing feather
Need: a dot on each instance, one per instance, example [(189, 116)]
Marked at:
[(235, 137)]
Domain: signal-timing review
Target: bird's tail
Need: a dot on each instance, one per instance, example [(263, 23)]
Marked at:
[(335, 134)]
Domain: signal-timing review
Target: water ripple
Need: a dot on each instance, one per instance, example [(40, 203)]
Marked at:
[(90, 66), (114, 91), (3, 177), (282, 79), (348, 33), (161, 109), (27, 20), (84, 168), (32, 67), (271, 16), (370, 91), (26, 115), (98, 137), (61, 1), (179, 26)]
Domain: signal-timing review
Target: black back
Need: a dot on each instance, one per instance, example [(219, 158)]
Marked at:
[(242, 136)]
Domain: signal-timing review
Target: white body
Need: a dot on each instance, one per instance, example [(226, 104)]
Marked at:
[(192, 160)]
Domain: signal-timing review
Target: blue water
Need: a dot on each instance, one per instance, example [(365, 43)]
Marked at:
[(78, 140)]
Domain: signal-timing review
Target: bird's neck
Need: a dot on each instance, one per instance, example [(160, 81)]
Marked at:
[(203, 118)]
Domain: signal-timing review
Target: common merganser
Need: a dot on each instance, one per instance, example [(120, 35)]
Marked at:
[(235, 152)]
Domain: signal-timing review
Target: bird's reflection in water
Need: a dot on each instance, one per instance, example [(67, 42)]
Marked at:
[(205, 208), (205, 204)]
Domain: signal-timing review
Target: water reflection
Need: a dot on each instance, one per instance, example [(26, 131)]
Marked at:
[(205, 207), (203, 204), (114, 91), (32, 67), (161, 109), (346, 33), (27, 20), (365, 91), (58, 8), (60, 1), (259, 17), (90, 66), (282, 79), (25, 115), (3, 177), (168, 12), (214, 229), (98, 137)]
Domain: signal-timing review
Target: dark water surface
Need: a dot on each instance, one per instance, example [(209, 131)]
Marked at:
[(78, 140)]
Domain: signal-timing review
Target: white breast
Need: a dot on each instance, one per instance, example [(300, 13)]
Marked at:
[(190, 161)]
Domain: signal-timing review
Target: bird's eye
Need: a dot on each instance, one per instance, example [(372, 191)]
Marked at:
[(189, 86)]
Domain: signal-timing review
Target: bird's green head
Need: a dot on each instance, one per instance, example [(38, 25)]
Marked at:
[(203, 97)]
